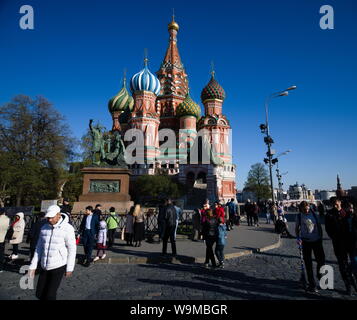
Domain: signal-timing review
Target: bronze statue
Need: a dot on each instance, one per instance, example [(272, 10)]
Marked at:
[(110, 147)]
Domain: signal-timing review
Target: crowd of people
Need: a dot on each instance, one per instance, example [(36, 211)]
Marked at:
[(53, 239)]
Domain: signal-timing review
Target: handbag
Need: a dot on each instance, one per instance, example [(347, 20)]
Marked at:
[(9, 233)]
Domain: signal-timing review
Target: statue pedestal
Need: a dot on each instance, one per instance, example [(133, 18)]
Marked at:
[(106, 186)]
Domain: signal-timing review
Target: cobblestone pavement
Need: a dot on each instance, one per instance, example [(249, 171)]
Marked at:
[(268, 275)]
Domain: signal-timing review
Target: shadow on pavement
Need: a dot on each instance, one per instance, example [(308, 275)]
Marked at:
[(225, 282)]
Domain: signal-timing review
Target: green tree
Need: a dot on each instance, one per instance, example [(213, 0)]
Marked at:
[(258, 182), (156, 187), (36, 144)]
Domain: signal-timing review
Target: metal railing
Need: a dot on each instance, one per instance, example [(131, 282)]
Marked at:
[(151, 221)]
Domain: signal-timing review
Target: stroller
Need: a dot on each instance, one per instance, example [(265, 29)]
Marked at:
[(281, 227)]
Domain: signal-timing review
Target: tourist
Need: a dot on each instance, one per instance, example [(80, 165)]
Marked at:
[(321, 209), (170, 226), (273, 212), (267, 212), (56, 252), (178, 215), (196, 225), (35, 233), (19, 228), (161, 220), (226, 216), (139, 226), (66, 208), (309, 233), (129, 227), (98, 211), (210, 235), (353, 227), (112, 224), (221, 242), (89, 229), (218, 211), (248, 208), (233, 214), (206, 207), (102, 241), (338, 229), (4, 226), (255, 213)]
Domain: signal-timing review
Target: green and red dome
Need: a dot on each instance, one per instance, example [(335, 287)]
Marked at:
[(213, 90), (188, 108)]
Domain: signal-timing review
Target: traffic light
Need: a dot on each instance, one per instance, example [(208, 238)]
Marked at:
[(266, 160), (274, 161)]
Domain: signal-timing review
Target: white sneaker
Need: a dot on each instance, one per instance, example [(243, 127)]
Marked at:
[(103, 256), (14, 257), (96, 259)]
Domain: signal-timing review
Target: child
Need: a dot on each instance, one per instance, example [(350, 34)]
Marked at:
[(221, 242), (102, 241), (129, 228)]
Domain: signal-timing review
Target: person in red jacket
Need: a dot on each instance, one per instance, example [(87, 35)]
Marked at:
[(219, 211)]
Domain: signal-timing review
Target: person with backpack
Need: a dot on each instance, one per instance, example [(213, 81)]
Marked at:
[(221, 242), (112, 225), (170, 226), (338, 229), (309, 234), (233, 214)]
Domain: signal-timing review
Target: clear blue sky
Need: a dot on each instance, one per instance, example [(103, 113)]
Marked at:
[(78, 50)]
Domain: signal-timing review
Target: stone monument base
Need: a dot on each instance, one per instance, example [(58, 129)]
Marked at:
[(106, 186), (120, 207)]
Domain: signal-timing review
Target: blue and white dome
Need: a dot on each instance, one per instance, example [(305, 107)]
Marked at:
[(145, 81)]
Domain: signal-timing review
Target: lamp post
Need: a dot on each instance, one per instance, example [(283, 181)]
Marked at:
[(279, 176), (268, 140)]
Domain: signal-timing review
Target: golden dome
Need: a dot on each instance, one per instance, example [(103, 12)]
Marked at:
[(173, 25)]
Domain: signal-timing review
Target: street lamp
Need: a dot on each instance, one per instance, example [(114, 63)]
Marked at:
[(279, 176), (268, 140)]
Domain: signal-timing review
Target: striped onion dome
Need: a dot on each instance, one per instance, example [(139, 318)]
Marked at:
[(188, 108), (145, 81), (121, 101), (213, 90)]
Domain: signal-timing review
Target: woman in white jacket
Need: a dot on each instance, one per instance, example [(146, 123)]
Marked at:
[(19, 228), (56, 252)]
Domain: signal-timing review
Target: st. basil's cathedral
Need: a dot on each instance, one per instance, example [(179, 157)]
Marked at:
[(163, 101)]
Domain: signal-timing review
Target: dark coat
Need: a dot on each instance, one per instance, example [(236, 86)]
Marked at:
[(66, 208), (94, 225), (210, 229), (170, 216), (337, 227), (34, 232)]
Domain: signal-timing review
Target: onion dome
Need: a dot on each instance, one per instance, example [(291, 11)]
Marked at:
[(188, 108), (213, 90), (173, 24), (121, 101), (145, 81)]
